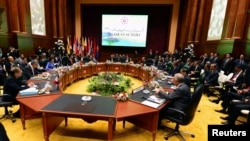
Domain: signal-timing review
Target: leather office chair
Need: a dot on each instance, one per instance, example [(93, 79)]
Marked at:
[(3, 133), (7, 101), (186, 116)]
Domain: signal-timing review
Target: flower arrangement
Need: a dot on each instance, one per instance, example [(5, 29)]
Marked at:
[(56, 82), (153, 84), (47, 88), (109, 83), (121, 96)]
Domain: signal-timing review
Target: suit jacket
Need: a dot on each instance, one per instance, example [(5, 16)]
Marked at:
[(187, 80), (174, 71), (227, 66), (28, 73), (50, 66), (216, 61), (179, 98), (212, 78), (12, 86), (196, 70), (204, 60), (238, 81), (242, 63), (246, 76)]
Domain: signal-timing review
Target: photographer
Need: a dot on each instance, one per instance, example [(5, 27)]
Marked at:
[(13, 52)]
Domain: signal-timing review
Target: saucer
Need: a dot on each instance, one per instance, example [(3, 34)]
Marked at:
[(86, 98), (146, 91)]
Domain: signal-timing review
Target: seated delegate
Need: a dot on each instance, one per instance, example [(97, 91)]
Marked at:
[(179, 98), (13, 84), (50, 65), (31, 70)]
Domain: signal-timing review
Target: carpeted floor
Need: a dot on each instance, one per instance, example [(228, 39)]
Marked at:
[(79, 130)]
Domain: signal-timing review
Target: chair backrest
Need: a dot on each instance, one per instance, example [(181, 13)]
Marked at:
[(192, 107)]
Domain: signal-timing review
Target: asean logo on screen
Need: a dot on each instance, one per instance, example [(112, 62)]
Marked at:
[(124, 20)]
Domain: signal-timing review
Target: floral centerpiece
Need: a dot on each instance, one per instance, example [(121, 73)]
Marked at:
[(56, 82), (121, 96), (108, 84)]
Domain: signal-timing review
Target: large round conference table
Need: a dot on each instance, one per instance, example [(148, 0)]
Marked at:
[(57, 106)]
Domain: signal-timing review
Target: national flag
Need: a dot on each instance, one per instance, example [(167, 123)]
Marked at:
[(88, 46), (81, 48), (68, 45), (97, 55), (94, 47), (74, 45), (75, 49), (84, 45), (90, 50)]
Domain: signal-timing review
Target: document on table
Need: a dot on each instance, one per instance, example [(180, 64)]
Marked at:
[(29, 91), (153, 101), (151, 104)]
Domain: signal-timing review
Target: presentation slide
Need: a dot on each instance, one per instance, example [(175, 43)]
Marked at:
[(124, 30)]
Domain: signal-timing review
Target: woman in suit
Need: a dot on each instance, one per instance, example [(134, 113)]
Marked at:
[(50, 64)]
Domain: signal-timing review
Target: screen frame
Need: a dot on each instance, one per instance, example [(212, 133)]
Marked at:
[(123, 14)]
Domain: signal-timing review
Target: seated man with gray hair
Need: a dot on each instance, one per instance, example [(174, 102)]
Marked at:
[(31, 70), (179, 98)]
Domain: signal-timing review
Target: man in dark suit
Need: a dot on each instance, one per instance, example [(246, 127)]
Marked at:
[(227, 64), (211, 79), (234, 111), (150, 55), (241, 61), (10, 63), (187, 79), (13, 85), (195, 69), (176, 69), (229, 96), (236, 80), (204, 59), (179, 98), (31, 70), (216, 60)]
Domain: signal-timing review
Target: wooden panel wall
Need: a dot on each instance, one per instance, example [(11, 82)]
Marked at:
[(17, 32), (195, 26)]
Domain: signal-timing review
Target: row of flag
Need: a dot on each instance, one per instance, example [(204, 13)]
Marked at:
[(82, 46)]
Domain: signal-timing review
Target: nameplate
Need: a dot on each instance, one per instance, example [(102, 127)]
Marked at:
[(138, 89)]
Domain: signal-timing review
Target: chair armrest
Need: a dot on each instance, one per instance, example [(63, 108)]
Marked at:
[(178, 111), (245, 112), (236, 100)]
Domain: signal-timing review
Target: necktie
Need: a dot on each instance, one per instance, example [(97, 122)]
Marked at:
[(234, 76), (241, 62), (32, 71)]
